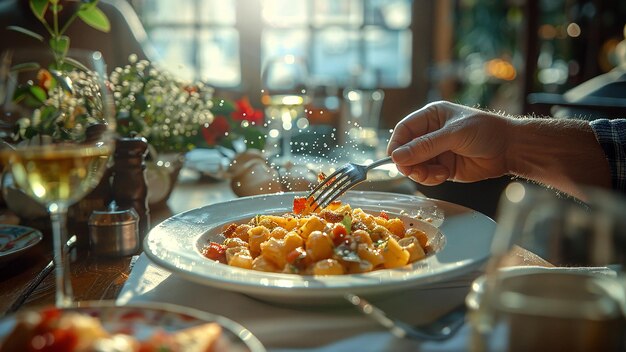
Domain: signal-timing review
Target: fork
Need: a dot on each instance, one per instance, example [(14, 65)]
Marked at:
[(440, 330), (340, 181)]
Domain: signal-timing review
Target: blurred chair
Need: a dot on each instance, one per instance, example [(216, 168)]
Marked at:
[(603, 96)]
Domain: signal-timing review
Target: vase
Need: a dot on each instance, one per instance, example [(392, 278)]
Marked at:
[(161, 176)]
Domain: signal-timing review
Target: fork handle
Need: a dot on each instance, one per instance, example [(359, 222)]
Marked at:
[(377, 163)]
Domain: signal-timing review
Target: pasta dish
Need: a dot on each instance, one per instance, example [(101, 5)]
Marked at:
[(334, 240)]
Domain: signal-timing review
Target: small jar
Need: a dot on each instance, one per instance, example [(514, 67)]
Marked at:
[(114, 233)]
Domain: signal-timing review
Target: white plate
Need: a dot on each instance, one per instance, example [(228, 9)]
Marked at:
[(15, 240), (175, 245), (143, 320)]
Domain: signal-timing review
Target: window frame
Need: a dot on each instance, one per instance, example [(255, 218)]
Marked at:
[(398, 101)]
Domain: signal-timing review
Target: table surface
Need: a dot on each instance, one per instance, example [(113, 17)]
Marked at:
[(28, 280)]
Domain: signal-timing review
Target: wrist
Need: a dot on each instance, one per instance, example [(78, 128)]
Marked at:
[(562, 153)]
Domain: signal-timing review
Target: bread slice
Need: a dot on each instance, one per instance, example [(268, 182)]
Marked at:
[(200, 338)]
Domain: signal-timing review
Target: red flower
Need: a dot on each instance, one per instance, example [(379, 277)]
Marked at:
[(216, 130), (44, 79), (190, 89), (245, 112)]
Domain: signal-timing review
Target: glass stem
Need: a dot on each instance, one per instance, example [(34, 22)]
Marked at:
[(58, 217)]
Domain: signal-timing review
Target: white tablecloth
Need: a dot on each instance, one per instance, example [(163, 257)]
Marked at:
[(336, 328)]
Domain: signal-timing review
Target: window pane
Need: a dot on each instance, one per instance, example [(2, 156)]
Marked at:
[(220, 12), (388, 55), (333, 12), (392, 14), (219, 57), (179, 11), (277, 43), (335, 55), (285, 13), (175, 49)]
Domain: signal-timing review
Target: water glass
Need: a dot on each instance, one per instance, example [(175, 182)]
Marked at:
[(578, 304)]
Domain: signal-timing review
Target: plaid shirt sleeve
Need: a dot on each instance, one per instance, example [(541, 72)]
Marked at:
[(612, 137)]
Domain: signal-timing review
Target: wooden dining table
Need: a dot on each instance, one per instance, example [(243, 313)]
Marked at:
[(28, 280)]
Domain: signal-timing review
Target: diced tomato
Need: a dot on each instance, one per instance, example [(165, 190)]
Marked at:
[(339, 234), (50, 314), (296, 255), (55, 339), (215, 251), (229, 230), (384, 215), (335, 202), (299, 204), (331, 216), (62, 340)]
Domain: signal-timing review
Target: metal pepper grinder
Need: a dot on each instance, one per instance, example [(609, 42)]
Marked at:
[(129, 187)]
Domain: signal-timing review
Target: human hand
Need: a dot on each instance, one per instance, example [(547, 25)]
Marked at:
[(446, 141)]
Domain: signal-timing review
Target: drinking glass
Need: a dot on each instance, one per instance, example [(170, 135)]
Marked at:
[(285, 95), (524, 303), (57, 134), (360, 123)]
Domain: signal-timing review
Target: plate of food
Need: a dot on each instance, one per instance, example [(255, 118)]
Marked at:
[(276, 248), (15, 240), (101, 326)]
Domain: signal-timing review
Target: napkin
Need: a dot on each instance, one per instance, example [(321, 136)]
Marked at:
[(319, 329), (289, 328)]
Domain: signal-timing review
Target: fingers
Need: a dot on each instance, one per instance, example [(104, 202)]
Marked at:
[(426, 174), (424, 148), (416, 124)]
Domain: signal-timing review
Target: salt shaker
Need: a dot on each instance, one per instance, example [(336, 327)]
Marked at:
[(114, 232)]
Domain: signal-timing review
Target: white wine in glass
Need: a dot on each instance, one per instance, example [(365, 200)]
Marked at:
[(57, 135), (285, 95)]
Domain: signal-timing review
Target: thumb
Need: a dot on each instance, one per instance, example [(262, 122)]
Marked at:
[(423, 148)]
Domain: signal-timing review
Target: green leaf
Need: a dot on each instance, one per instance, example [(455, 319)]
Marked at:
[(38, 93), (347, 223), (255, 138), (29, 95), (49, 116), (60, 45), (39, 8), (77, 64), (94, 17), (26, 31), (20, 94), (27, 66), (222, 107)]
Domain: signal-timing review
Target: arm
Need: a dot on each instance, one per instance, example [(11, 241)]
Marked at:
[(445, 141), (560, 153)]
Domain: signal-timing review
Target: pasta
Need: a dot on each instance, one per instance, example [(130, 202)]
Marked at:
[(334, 240)]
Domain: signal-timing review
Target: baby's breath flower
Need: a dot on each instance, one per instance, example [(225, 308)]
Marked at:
[(154, 104)]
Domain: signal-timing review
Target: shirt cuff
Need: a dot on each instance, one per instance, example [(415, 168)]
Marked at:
[(611, 134)]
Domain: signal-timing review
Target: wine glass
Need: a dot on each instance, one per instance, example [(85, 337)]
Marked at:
[(526, 304), (57, 134), (285, 95)]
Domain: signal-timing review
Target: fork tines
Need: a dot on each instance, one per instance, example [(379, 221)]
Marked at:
[(333, 186)]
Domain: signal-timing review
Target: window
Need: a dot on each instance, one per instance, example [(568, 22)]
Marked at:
[(349, 43), (346, 43), (196, 38)]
